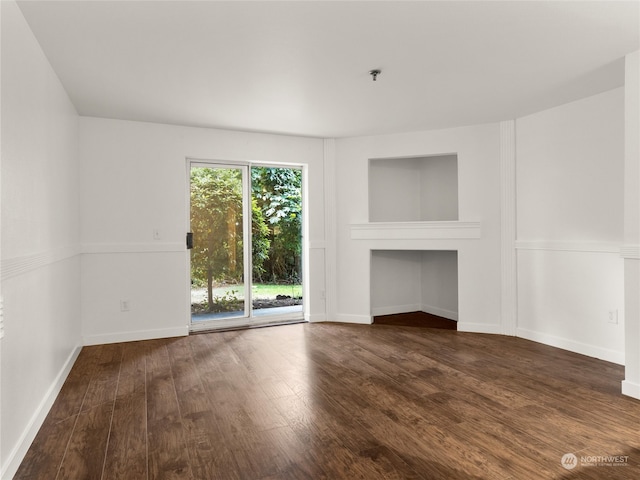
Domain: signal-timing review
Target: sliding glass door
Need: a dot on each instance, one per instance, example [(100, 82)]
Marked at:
[(246, 239)]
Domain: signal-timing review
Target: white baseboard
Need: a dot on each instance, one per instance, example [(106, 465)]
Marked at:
[(102, 339), (440, 312), (14, 459), (491, 328), (395, 309), (349, 318), (631, 389), (315, 318), (572, 346)]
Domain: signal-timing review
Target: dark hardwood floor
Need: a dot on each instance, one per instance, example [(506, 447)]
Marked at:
[(416, 319), (331, 401)]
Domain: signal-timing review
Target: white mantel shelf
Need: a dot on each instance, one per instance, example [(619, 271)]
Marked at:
[(415, 230)]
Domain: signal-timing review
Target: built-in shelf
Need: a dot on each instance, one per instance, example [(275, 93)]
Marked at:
[(415, 230), (414, 189)]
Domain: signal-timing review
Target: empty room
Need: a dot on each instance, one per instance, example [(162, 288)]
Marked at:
[(319, 239)]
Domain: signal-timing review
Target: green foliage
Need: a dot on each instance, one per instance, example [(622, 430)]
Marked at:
[(278, 192), (227, 302), (260, 242), (216, 223)]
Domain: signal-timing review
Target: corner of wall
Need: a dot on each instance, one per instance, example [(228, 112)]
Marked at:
[(12, 462)]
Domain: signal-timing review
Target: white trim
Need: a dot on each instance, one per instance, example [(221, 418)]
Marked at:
[(631, 389), (440, 312), (147, 247), (317, 245), (247, 237), (350, 318), (572, 346), (330, 228), (415, 230), (630, 251), (508, 270), (118, 337), (16, 266), (586, 247), (16, 456), (493, 328), (316, 318)]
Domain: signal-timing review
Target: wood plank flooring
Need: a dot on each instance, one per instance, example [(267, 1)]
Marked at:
[(332, 401), (416, 319)]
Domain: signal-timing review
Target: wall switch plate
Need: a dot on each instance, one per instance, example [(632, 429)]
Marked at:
[(156, 234), (613, 317), (125, 305)]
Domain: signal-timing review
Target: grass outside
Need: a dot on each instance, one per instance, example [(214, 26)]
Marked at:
[(231, 298), (268, 290), (259, 291)]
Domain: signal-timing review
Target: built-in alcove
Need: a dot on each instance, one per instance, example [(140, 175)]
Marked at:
[(414, 189), (414, 280)]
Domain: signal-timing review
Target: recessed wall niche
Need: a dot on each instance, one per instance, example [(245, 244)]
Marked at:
[(414, 189), (414, 280)]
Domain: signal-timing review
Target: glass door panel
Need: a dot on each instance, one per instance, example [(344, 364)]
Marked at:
[(218, 201), (276, 241)]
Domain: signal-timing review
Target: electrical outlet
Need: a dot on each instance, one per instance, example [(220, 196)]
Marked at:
[(125, 305), (613, 317), (156, 234)]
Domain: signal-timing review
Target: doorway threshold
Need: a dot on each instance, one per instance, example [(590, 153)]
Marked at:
[(236, 320)]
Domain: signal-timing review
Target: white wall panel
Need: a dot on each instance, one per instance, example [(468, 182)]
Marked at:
[(134, 181), (569, 178), (40, 237), (631, 248), (570, 171), (565, 300)]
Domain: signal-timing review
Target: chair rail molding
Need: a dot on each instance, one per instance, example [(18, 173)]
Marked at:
[(569, 246), (630, 251), (13, 267)]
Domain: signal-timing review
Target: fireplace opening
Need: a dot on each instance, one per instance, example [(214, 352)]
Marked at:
[(404, 281)]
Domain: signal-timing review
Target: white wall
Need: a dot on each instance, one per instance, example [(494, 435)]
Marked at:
[(631, 248), (134, 180), (396, 281), (439, 183), (570, 172), (478, 150), (40, 237), (439, 282), (394, 186)]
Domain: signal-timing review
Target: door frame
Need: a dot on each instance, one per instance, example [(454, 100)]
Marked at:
[(249, 319)]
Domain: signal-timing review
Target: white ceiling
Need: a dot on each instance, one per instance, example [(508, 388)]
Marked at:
[(302, 67)]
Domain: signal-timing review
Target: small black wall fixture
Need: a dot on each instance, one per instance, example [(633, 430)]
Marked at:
[(374, 74)]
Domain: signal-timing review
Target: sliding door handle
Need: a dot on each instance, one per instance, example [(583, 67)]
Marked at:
[(189, 240)]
